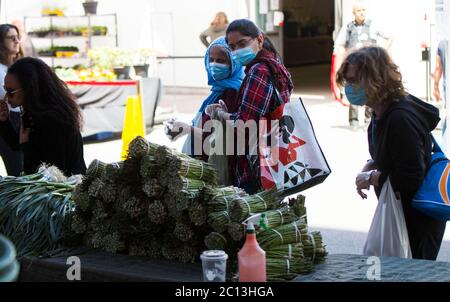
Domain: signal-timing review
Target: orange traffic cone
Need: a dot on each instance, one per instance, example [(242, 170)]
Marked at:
[(133, 125)]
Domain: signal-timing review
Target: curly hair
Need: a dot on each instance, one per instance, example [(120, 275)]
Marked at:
[(376, 73)]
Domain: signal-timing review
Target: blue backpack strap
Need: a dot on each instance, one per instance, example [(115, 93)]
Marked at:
[(436, 147)]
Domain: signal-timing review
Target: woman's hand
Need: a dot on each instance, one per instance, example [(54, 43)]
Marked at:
[(212, 109), (174, 129), (4, 111), (363, 183), (366, 179), (223, 105)]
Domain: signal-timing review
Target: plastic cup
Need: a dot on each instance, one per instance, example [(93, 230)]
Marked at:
[(214, 263)]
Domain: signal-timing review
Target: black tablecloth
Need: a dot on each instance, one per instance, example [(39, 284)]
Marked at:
[(106, 267)]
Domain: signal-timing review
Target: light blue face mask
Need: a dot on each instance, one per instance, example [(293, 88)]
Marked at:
[(219, 71), (356, 96), (244, 55)]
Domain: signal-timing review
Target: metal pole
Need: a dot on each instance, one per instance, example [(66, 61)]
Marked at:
[(117, 31)]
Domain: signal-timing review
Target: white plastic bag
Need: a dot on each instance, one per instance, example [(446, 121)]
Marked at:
[(388, 235)]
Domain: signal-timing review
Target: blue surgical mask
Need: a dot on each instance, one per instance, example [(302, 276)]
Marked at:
[(356, 96), (244, 55), (219, 71)]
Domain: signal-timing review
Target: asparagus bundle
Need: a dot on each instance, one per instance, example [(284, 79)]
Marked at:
[(145, 247), (177, 184), (272, 218), (100, 210), (192, 168), (130, 173), (287, 251), (157, 212), (95, 188), (278, 269), (108, 192), (183, 232), (197, 213), (95, 170), (298, 205), (289, 233), (219, 221), (163, 155), (110, 242), (112, 172), (123, 194), (219, 199), (113, 242), (236, 231), (242, 207), (185, 198), (148, 167), (313, 247), (187, 254), (140, 147), (79, 224), (135, 207), (81, 198), (182, 165), (152, 188), (171, 205), (212, 192), (215, 241)]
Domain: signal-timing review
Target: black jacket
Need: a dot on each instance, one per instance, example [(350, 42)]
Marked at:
[(400, 144), (51, 141)]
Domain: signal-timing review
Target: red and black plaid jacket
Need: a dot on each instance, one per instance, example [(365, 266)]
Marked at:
[(256, 99)]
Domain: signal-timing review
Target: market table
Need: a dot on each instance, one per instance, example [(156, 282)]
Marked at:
[(107, 267), (354, 268), (101, 266), (103, 103)]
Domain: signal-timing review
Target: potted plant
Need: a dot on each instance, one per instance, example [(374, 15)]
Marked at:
[(142, 59), (122, 62), (117, 59), (90, 7)]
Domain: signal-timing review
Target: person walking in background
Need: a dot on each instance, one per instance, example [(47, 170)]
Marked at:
[(440, 71), (358, 33), (399, 136), (51, 120), (264, 72), (10, 52), (216, 29)]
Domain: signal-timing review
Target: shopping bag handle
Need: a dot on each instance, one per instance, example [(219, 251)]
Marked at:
[(278, 98)]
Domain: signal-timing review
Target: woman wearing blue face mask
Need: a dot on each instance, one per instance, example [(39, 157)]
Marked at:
[(264, 72), (399, 139), (225, 76)]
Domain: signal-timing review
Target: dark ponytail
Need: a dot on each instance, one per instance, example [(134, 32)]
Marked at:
[(247, 28)]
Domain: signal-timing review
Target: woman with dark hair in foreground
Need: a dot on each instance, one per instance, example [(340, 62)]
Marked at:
[(51, 119)]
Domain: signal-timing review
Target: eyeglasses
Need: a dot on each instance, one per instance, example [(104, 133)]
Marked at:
[(11, 92), (13, 38)]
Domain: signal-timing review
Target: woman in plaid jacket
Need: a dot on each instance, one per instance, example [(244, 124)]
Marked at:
[(264, 70)]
